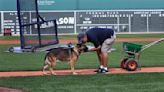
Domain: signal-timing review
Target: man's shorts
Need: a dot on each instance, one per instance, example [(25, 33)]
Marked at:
[(107, 45)]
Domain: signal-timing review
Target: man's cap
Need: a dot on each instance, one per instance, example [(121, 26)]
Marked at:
[(80, 36)]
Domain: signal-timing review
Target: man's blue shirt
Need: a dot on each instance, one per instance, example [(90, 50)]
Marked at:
[(98, 35)]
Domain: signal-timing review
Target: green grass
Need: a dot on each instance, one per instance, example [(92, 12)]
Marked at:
[(141, 82), (34, 61), (9, 38), (148, 82)]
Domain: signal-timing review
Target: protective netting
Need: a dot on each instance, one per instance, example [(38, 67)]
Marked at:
[(33, 29), (46, 36)]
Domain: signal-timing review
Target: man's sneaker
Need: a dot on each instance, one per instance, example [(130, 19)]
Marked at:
[(98, 70), (104, 71)]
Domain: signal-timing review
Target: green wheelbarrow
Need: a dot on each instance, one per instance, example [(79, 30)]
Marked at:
[(132, 52)]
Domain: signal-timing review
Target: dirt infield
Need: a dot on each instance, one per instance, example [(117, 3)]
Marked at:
[(74, 40), (81, 72), (68, 72), (3, 89)]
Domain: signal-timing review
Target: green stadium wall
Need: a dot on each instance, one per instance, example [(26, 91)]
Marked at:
[(10, 5), (123, 15)]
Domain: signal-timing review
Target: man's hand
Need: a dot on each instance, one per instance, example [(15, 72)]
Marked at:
[(86, 49)]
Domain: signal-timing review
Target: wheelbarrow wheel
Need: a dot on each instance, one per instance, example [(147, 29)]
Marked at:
[(123, 63), (131, 65)]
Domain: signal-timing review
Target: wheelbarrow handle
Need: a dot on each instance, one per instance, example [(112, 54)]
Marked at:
[(151, 44)]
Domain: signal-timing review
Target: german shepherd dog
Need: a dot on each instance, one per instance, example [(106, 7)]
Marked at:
[(69, 55)]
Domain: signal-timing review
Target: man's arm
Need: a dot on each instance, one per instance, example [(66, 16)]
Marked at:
[(95, 49), (96, 44)]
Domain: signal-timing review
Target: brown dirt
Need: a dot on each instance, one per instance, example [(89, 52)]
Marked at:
[(80, 72), (68, 72), (74, 40), (9, 42), (3, 89)]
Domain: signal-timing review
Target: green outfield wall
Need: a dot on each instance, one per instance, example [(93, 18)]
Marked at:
[(10, 5), (72, 16)]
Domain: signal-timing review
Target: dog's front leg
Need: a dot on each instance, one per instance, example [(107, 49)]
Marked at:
[(44, 68), (72, 64), (53, 63), (52, 72), (51, 68)]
